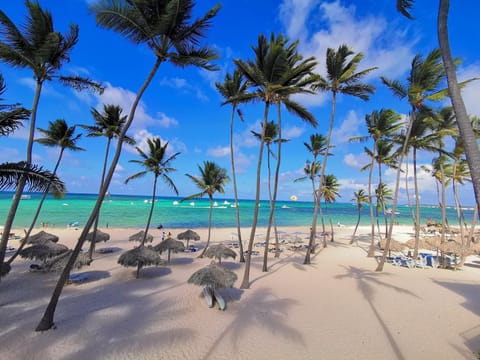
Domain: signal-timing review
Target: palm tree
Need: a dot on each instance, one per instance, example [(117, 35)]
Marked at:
[(329, 194), (212, 179), (157, 163), (165, 26), (277, 72), (233, 91), (422, 86), (58, 134), (360, 198), (271, 137), (342, 78), (465, 127), (37, 46), (11, 115), (381, 126), (108, 124)]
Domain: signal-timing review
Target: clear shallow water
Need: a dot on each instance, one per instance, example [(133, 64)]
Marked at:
[(132, 211)]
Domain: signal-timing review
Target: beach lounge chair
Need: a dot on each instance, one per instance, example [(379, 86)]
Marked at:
[(431, 261), (77, 278)]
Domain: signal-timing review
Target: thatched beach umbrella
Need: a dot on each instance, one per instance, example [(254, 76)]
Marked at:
[(169, 245), (140, 257), (43, 251), (220, 251), (41, 237), (188, 235), (139, 237), (394, 245), (59, 262), (213, 275), (422, 244), (101, 236)]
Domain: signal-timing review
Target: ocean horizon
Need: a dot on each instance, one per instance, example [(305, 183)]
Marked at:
[(131, 211)]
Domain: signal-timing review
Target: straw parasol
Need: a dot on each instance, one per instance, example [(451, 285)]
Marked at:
[(188, 235), (422, 244), (59, 262), (140, 256), (169, 245), (394, 245), (139, 237), (213, 275), (220, 251), (41, 237), (43, 251), (101, 236)]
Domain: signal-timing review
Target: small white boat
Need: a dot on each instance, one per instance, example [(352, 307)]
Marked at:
[(25, 197), (175, 202), (192, 204)]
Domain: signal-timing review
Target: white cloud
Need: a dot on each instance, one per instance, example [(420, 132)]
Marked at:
[(219, 151), (141, 137), (356, 161), (292, 132), (471, 92), (184, 87), (320, 25), (348, 129)]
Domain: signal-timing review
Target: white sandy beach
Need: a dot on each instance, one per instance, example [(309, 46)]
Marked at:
[(336, 308)]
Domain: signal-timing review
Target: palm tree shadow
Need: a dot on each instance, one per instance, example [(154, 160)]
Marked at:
[(261, 309), (468, 291), (365, 279)]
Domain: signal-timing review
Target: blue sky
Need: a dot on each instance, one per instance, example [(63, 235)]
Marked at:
[(182, 106)]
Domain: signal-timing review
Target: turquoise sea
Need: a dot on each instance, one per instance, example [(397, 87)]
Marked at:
[(132, 212)]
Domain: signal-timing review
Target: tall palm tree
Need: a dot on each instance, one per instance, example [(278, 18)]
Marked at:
[(60, 135), (465, 127), (233, 89), (165, 26), (342, 78), (109, 124), (35, 45), (271, 137), (422, 86), (277, 72), (157, 163), (382, 124), (360, 198), (212, 179)]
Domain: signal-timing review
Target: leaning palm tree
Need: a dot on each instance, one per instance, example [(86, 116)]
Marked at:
[(212, 179), (465, 127), (360, 197), (35, 45), (166, 27), (277, 72), (157, 163), (109, 124), (58, 134), (233, 90), (342, 78)]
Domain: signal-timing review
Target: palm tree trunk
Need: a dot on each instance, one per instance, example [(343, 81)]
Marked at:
[(464, 124), (21, 184), (444, 205), (417, 204), (209, 226), (93, 243), (356, 226), (270, 216), (246, 275), (235, 192), (46, 322), (37, 213), (149, 220), (395, 196), (371, 248), (320, 185)]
